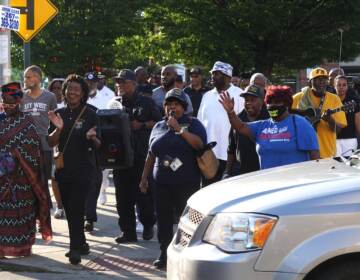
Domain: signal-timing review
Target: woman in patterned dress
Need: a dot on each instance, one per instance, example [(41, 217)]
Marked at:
[(23, 196)]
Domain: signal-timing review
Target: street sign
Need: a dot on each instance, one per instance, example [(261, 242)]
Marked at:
[(34, 15), (9, 18)]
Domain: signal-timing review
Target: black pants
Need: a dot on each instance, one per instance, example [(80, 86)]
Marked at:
[(73, 196), (218, 176), (127, 193), (170, 199), (93, 195)]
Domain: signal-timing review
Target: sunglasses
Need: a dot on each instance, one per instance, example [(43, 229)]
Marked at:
[(9, 106)]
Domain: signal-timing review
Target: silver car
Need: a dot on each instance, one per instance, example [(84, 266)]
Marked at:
[(299, 221)]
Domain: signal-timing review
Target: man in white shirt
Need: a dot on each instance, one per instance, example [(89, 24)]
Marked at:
[(214, 117), (103, 91)]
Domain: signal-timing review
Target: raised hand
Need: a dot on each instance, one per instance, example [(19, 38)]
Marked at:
[(226, 101), (56, 120), (173, 123)]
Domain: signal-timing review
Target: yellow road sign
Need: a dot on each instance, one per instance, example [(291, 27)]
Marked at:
[(35, 14)]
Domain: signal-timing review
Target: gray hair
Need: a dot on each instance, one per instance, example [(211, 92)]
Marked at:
[(260, 76)]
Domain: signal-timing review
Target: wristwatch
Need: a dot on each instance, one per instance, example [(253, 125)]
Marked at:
[(182, 130)]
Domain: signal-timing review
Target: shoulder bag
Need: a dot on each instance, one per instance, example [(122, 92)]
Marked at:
[(207, 161)]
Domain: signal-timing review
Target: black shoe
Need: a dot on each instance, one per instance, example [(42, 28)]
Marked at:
[(89, 226), (85, 250), (74, 257), (126, 238), (160, 263), (148, 233)]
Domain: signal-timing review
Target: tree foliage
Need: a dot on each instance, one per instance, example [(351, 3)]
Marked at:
[(250, 34), (82, 35), (258, 33)]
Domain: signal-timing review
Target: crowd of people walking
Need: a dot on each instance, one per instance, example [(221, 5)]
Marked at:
[(53, 134)]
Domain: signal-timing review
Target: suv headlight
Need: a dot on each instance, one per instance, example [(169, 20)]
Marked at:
[(237, 232)]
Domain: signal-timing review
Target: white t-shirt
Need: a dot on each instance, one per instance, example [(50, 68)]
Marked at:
[(61, 105), (101, 99), (106, 93), (114, 103), (215, 119)]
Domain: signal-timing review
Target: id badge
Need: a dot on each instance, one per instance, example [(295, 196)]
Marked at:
[(175, 164)]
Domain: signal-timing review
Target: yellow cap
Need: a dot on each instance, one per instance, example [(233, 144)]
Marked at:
[(318, 72)]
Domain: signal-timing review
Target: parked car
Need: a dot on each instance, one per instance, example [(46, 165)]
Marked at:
[(300, 221)]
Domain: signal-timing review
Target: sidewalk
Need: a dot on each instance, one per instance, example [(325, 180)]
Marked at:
[(107, 259)]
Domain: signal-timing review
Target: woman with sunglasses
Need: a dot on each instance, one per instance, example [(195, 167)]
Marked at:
[(23, 195)]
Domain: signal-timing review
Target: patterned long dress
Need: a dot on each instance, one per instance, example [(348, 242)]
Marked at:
[(23, 196)]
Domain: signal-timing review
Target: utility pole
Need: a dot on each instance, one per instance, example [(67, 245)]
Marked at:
[(5, 55)]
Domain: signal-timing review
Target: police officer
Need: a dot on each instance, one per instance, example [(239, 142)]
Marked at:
[(143, 114)]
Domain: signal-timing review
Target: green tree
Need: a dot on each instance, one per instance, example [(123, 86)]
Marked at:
[(82, 35), (250, 34), (255, 33)]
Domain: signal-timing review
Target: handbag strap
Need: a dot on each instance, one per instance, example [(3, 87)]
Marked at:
[(72, 128)]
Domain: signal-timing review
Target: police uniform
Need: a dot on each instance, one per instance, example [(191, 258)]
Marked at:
[(127, 192)]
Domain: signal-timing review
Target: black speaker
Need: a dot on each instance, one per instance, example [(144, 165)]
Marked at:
[(114, 131)]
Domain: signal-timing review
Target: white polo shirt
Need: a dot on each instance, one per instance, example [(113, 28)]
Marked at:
[(215, 119)]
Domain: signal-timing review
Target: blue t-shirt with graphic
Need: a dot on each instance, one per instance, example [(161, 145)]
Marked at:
[(285, 142)]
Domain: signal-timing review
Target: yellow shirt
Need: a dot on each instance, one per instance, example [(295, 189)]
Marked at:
[(326, 136)]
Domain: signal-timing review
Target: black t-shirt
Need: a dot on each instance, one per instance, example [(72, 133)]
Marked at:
[(79, 153), (349, 131), (243, 147), (142, 109), (195, 97)]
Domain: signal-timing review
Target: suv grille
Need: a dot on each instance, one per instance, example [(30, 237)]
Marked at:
[(195, 218)]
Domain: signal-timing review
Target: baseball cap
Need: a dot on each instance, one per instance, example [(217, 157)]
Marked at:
[(253, 90), (91, 76), (195, 70), (101, 75), (177, 94), (223, 67), (126, 74), (318, 72)]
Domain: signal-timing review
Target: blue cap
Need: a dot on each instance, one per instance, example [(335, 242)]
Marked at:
[(91, 76), (177, 94)]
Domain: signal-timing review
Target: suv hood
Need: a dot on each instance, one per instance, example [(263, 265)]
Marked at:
[(270, 190)]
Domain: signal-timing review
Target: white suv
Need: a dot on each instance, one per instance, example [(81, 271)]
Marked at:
[(299, 221)]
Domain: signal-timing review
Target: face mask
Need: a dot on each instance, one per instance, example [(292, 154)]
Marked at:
[(276, 110)]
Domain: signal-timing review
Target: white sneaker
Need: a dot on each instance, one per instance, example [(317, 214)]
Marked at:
[(59, 213), (102, 197)]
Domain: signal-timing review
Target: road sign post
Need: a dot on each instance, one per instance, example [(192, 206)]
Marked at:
[(34, 15)]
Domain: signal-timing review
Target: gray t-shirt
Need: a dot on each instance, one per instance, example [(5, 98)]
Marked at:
[(159, 95), (38, 108)]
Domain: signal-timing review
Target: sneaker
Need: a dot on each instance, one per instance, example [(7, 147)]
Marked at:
[(59, 213), (126, 238), (102, 197), (160, 263), (89, 226)]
